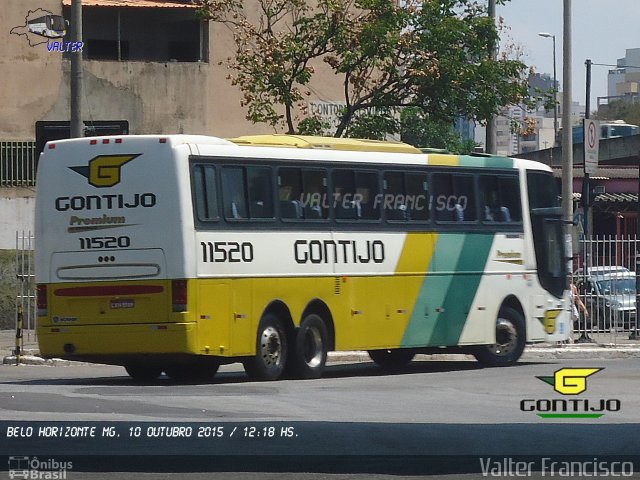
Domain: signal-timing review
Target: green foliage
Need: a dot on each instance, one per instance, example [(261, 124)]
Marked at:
[(312, 126), (434, 54), (418, 130), (374, 126), (620, 110)]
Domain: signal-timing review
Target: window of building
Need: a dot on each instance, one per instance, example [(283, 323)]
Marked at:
[(143, 33)]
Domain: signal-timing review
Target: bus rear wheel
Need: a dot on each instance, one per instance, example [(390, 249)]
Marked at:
[(271, 350), (510, 341), (309, 353), (392, 358), (143, 373)]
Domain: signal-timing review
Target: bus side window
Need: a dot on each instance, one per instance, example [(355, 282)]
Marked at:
[(500, 199), (314, 193), (260, 192), (367, 195), (394, 198), (289, 192), (454, 197), (417, 196), (344, 204), (205, 195), (233, 193)]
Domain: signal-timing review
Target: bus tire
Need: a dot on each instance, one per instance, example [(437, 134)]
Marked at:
[(392, 358), (510, 341), (271, 350), (309, 353), (143, 373), (198, 372)]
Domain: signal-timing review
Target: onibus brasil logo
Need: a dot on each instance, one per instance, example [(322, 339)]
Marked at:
[(570, 382)]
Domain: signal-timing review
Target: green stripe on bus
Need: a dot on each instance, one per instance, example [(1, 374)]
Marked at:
[(448, 290), (490, 162)]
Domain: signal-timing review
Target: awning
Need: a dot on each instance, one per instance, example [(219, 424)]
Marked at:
[(135, 3), (610, 198)]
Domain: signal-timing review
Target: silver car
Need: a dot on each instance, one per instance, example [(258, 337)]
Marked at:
[(610, 298)]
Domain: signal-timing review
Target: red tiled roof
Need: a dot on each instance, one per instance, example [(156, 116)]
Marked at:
[(135, 3), (611, 197)]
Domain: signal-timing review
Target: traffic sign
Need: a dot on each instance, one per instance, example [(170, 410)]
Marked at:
[(591, 145)]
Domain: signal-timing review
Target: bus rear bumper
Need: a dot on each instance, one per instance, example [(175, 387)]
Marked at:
[(117, 344)]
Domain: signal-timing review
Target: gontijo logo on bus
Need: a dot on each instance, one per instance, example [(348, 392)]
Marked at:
[(105, 170)]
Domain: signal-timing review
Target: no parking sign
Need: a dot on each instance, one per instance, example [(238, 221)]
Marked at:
[(591, 145)]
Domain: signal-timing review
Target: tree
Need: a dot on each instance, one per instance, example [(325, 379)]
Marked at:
[(274, 50), (420, 131), (432, 55), (620, 110)]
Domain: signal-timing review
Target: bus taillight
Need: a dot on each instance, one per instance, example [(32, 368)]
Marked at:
[(179, 295), (41, 300)]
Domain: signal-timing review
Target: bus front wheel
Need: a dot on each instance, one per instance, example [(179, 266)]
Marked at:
[(271, 350), (510, 341), (392, 358), (309, 354)]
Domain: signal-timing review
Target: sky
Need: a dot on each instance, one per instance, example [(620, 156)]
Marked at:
[(601, 30)]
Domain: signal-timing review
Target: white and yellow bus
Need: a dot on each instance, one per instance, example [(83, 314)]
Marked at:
[(179, 253)]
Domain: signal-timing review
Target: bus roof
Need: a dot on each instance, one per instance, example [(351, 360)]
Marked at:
[(324, 143)]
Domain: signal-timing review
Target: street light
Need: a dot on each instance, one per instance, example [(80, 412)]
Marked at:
[(555, 88)]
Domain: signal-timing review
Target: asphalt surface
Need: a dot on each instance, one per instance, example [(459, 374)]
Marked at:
[(605, 346)]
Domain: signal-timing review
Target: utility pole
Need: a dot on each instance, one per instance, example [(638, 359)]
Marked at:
[(75, 80), (586, 187), (490, 138), (567, 138)]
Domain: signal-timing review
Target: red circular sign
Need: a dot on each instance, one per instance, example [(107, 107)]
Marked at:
[(591, 135)]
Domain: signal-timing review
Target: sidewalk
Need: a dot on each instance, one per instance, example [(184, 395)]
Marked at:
[(605, 346)]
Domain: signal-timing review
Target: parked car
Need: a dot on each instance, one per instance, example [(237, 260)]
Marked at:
[(601, 270), (610, 297)]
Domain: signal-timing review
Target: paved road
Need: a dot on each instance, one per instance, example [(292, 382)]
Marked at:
[(434, 416)]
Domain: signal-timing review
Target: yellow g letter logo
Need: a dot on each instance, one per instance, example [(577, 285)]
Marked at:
[(570, 381), (104, 170)]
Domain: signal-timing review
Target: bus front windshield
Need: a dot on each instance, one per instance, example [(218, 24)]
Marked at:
[(548, 239)]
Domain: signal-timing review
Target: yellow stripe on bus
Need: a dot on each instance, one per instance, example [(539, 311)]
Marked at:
[(447, 160)]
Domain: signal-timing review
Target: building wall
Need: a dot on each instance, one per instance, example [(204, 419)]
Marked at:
[(155, 97), (31, 77), (17, 206)]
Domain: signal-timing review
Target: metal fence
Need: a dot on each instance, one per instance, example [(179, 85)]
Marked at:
[(25, 288), (605, 275), (17, 164)]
